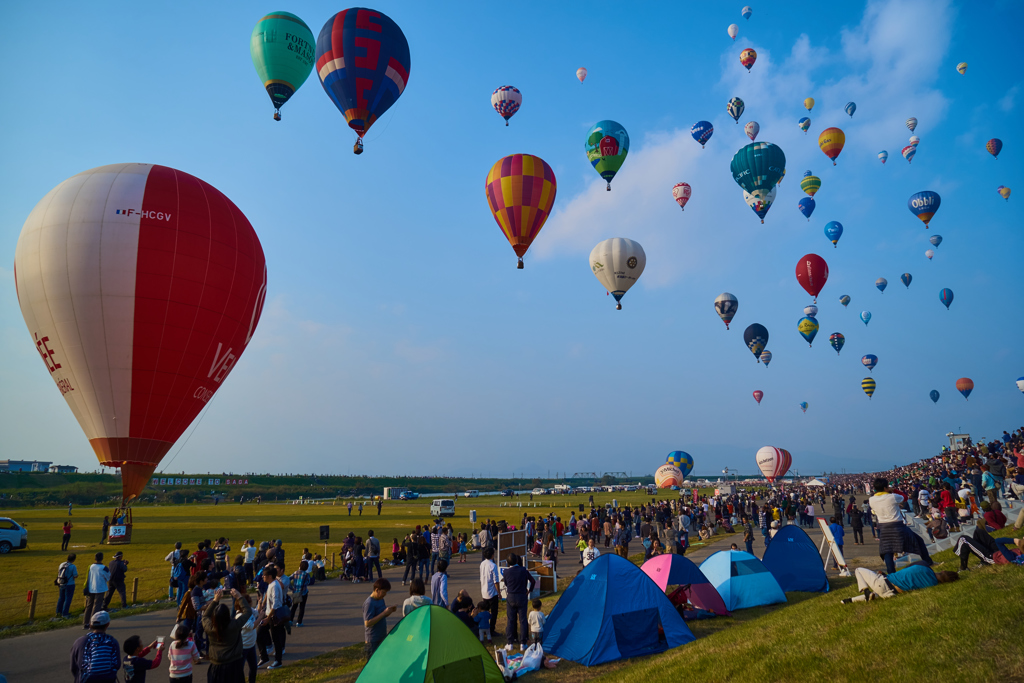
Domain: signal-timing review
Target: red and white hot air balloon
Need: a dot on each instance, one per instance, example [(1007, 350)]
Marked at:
[(758, 395), (773, 462), (141, 287), (581, 73), (681, 193)]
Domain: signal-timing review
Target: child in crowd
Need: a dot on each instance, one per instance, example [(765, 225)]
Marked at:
[(462, 547), (181, 655), (482, 617), (536, 619), (135, 666)]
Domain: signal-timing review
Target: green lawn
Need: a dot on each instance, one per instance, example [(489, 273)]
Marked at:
[(158, 527)]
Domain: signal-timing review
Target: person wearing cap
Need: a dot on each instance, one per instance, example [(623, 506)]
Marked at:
[(95, 590), (96, 656), (118, 568)]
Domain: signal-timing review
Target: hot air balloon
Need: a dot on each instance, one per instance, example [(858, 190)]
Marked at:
[(946, 297), (746, 12), (993, 146), (908, 153), (765, 357), (806, 206), (934, 396), (812, 274), (808, 329), (1020, 384), (702, 132), (911, 124), (520, 190), (915, 141), (837, 341), (752, 129), (936, 240), (506, 100), (865, 316), (804, 123), (282, 51), (831, 142), (773, 462), (373, 80), (833, 231), (810, 310), (810, 183), (747, 58), (735, 108), (733, 31), (906, 279), (868, 385), (924, 205), (850, 108), (844, 300), (607, 146), (757, 167), (809, 103), (682, 460), (881, 283), (803, 406), (756, 338), (962, 68), (869, 361), (581, 73), (1004, 192), (681, 193), (617, 263), (141, 287), (726, 306), (965, 386), (883, 155), (668, 476), (929, 253), (760, 205), (758, 395)]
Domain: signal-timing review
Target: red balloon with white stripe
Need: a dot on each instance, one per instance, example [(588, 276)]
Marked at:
[(773, 462), (141, 286)]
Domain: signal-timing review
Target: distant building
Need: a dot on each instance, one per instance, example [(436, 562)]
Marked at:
[(23, 466), (63, 469)]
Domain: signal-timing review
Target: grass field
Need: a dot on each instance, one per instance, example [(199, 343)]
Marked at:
[(157, 528)]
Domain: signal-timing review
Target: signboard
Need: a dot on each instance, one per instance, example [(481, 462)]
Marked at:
[(118, 534), (511, 542), (833, 549), (325, 533)]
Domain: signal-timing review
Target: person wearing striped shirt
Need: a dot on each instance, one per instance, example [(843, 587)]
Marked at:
[(181, 655)]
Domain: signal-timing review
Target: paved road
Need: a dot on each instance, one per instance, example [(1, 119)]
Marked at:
[(333, 615)]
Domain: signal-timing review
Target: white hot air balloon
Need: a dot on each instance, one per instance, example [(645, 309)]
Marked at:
[(681, 193), (915, 140), (668, 475), (912, 123), (733, 31), (726, 305), (618, 263), (930, 253), (581, 73), (811, 311), (752, 128), (773, 462)]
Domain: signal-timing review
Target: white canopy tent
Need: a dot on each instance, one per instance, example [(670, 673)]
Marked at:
[(815, 482)]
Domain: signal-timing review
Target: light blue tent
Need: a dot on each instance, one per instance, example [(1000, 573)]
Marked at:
[(612, 610), (795, 561), (742, 580)]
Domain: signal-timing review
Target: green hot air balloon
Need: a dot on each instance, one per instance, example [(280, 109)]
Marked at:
[(282, 49), (607, 145), (757, 168)]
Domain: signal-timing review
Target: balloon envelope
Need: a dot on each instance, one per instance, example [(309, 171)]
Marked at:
[(881, 283), (831, 142), (506, 100), (811, 310), (758, 395), (757, 168), (520, 190), (581, 73), (748, 57), (735, 108), (681, 193), (924, 205), (946, 297), (1004, 192), (961, 68), (934, 396), (607, 146), (883, 155), (733, 31), (844, 300), (765, 357), (752, 128), (833, 231), (141, 287), (366, 86), (865, 316), (812, 274), (808, 329), (668, 476), (994, 146), (682, 460), (936, 240), (702, 132), (804, 124), (617, 263), (726, 306), (868, 386), (1020, 383), (850, 108), (746, 12), (773, 462), (912, 123), (809, 103), (906, 279), (965, 386), (810, 183), (869, 361), (929, 253), (806, 206), (803, 406), (282, 50), (837, 341), (908, 153), (756, 338)]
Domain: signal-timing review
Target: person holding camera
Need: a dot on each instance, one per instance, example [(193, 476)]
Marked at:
[(118, 568)]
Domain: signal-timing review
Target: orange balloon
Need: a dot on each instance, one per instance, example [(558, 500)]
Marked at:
[(831, 142), (521, 190)]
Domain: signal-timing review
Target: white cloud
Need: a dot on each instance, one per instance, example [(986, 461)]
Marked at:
[(1007, 102)]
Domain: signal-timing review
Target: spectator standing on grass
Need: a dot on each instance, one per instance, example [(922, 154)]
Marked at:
[(519, 584), (103, 531), (886, 506), (174, 557), (67, 532), (249, 655), (989, 483), (118, 568), (373, 556), (96, 656), (748, 534), (490, 591), (411, 550), (375, 614), (67, 572), (350, 508), (95, 591)]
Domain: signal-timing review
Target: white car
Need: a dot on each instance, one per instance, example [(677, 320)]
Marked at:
[(442, 507), (539, 491), (12, 535)]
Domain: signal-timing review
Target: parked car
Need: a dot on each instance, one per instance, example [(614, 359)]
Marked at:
[(508, 492), (442, 507), (408, 495), (12, 536)]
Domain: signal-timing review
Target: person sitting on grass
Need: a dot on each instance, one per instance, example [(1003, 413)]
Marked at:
[(135, 664), (994, 518), (873, 585)]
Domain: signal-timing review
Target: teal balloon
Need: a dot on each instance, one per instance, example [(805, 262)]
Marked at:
[(865, 316), (803, 406), (833, 231), (757, 167)]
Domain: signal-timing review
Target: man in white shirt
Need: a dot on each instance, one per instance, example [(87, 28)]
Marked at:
[(95, 589), (886, 507), (250, 558), (489, 589), (272, 629), (590, 553)]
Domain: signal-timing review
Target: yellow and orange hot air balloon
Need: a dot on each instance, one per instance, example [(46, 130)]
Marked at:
[(747, 58), (809, 103), (831, 142), (520, 191)]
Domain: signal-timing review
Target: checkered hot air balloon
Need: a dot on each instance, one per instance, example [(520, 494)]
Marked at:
[(681, 460), (506, 100), (735, 107), (520, 191)]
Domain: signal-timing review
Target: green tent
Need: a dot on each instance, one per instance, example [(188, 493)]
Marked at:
[(433, 646)]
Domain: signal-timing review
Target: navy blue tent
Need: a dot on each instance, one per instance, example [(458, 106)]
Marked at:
[(612, 610), (795, 561)]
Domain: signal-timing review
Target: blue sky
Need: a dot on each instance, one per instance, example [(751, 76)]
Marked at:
[(398, 336)]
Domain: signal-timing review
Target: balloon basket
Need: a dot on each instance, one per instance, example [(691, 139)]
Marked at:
[(277, 115), (519, 266), (609, 188), (618, 307)]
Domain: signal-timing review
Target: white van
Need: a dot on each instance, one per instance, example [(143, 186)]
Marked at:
[(442, 507), (472, 493), (12, 536)]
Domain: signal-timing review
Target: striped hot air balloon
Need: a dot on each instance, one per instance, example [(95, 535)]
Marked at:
[(520, 191), (868, 385), (831, 142)]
